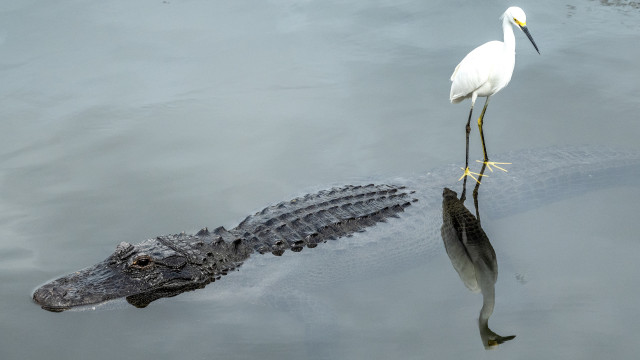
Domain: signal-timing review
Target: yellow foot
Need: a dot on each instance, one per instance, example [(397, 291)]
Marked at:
[(470, 173), (494, 164)]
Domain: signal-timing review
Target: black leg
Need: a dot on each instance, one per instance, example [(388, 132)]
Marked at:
[(484, 148), (489, 164), (468, 129), (466, 160)]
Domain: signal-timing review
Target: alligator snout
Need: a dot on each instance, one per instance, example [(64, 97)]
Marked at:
[(52, 298)]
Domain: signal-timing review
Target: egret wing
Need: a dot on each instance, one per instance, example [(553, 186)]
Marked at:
[(473, 71)]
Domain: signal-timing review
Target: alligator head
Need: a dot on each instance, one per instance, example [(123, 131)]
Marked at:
[(141, 273)]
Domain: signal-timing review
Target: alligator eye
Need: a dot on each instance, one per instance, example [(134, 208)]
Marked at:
[(142, 261)]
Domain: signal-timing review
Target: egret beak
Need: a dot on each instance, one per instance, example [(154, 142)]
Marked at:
[(526, 31)]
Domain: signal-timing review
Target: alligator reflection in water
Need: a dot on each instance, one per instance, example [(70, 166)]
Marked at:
[(472, 255)]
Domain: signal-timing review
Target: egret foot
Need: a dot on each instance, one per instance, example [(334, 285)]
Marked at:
[(497, 340), (467, 172), (494, 164)]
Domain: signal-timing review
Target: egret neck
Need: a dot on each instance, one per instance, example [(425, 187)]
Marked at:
[(509, 37)]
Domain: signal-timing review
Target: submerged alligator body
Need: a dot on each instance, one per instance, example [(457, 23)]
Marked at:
[(169, 265)]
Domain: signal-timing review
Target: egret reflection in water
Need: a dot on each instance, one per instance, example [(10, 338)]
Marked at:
[(471, 255)]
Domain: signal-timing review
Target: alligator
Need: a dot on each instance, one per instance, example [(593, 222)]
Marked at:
[(169, 265)]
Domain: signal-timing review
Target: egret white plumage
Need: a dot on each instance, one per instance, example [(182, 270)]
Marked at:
[(485, 71)]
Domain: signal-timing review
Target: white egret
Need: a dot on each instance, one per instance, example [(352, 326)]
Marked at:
[(485, 71)]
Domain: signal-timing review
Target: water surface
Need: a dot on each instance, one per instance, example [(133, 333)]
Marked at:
[(125, 120)]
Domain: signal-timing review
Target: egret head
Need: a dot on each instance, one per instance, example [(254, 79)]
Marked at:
[(517, 17)]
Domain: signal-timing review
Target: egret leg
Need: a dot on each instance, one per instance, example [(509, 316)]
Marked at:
[(484, 147), (468, 130), (467, 172)]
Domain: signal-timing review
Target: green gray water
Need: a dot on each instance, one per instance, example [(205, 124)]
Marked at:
[(122, 121)]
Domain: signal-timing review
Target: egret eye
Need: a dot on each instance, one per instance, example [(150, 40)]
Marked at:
[(142, 261)]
